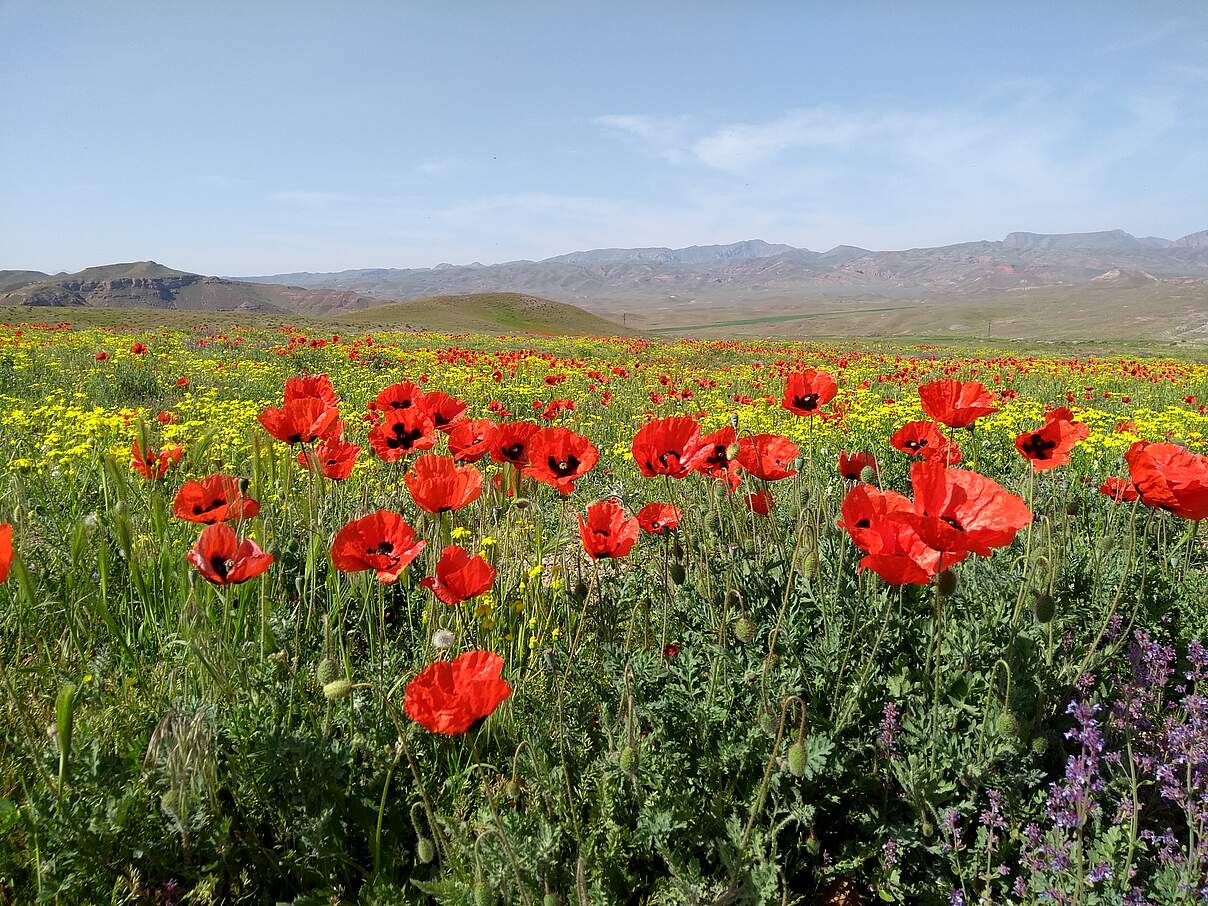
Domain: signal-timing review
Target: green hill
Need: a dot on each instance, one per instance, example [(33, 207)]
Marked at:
[(492, 313)]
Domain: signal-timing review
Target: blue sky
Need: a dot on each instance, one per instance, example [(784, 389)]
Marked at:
[(256, 137)]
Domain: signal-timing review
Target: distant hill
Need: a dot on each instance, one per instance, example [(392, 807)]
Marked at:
[(490, 313), (147, 284), (755, 273)]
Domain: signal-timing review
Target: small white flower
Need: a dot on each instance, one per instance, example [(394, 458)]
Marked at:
[(442, 639)]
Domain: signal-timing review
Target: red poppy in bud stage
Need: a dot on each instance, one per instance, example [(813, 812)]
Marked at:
[(454, 696), (223, 559), (300, 421), (218, 498), (760, 503), (439, 485), (718, 463), (403, 395), (963, 511), (318, 386), (333, 457), (470, 439), (852, 465), (510, 442), (444, 410), (1170, 477), (607, 531), (559, 457), (926, 440), (459, 576), (381, 541), (1121, 490), (152, 465), (659, 518), (1050, 446), (767, 456), (6, 549), (956, 403), (401, 432), (807, 391), (669, 446)]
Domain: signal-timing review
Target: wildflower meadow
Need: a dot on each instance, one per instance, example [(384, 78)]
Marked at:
[(392, 618)]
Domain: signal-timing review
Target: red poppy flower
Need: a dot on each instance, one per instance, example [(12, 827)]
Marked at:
[(879, 524), (381, 541), (300, 421), (718, 462), (452, 697), (956, 403), (304, 386), (926, 440), (403, 395), (152, 465), (1050, 446), (333, 456), (852, 465), (444, 410), (402, 431), (223, 559), (138, 348), (470, 439), (760, 503), (963, 511), (559, 457), (1121, 490), (218, 498), (767, 456), (1170, 477), (510, 442), (459, 576), (659, 518), (607, 531), (669, 446), (6, 549), (806, 392), (102, 356), (439, 485)]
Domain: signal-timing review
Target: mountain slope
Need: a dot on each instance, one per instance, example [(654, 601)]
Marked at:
[(490, 313), (615, 280)]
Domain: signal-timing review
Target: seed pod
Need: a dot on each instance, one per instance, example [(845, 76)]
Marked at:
[(811, 564), (732, 451), (743, 629), (1040, 745), (868, 474), (325, 672), (947, 583), (337, 689), (521, 504), (425, 851), (512, 789), (678, 573), (1043, 607), (796, 758), (1073, 507)]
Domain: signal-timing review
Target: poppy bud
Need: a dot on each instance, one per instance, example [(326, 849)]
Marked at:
[(868, 474), (512, 789), (1007, 724), (337, 689), (796, 464), (482, 894), (947, 583), (243, 485), (796, 759), (425, 851), (678, 573), (551, 899), (743, 629), (521, 504), (1043, 607), (580, 590), (1073, 507), (1040, 745), (767, 723), (732, 451), (325, 672), (628, 757), (811, 565), (734, 420)]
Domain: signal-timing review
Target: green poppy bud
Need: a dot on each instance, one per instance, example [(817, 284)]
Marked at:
[(743, 629), (325, 672), (796, 759), (628, 758), (337, 689), (482, 894), (1007, 725), (678, 573), (868, 474), (425, 850), (1043, 607), (1040, 745), (551, 899)]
